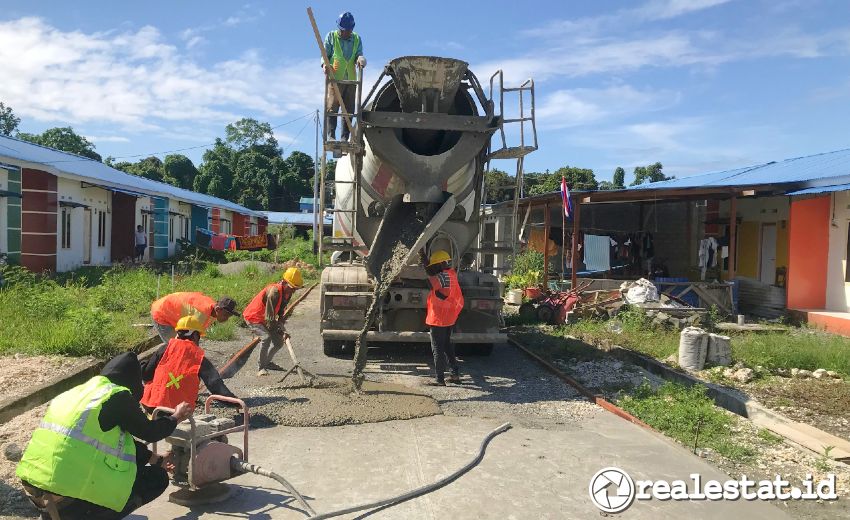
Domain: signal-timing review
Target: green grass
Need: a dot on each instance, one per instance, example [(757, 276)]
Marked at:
[(222, 331), (798, 348), (769, 437), (687, 415), (91, 311)]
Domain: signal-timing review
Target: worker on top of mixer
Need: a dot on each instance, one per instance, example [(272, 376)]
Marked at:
[(167, 310), (83, 461), (344, 48), (173, 374), (264, 316), (444, 304)]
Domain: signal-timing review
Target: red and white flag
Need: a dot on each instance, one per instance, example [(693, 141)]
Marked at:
[(565, 198)]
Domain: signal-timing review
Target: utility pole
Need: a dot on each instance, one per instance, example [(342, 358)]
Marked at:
[(317, 219)]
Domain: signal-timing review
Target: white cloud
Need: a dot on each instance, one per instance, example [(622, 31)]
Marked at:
[(108, 139), (582, 106), (138, 80), (666, 9)]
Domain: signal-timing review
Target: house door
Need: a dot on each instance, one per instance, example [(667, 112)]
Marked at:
[(87, 221), (767, 271)]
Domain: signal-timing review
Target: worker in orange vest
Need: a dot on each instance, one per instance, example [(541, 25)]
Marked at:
[(173, 374), (264, 316), (444, 304), (167, 310)]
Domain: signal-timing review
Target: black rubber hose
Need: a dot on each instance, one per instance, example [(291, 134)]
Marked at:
[(246, 467), (424, 489)]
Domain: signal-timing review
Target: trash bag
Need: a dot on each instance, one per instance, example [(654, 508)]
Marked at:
[(693, 347)]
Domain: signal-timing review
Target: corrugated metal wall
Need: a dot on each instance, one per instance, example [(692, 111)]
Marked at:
[(13, 216), (199, 220), (160, 228)]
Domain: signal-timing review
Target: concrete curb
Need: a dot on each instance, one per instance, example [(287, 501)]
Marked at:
[(583, 390), (798, 433), (41, 394)]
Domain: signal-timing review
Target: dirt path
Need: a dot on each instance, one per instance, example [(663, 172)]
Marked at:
[(19, 374)]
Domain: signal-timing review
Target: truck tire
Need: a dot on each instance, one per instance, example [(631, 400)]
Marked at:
[(475, 349), (333, 348)]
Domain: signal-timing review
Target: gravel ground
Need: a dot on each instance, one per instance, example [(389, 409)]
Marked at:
[(17, 432), (19, 374)]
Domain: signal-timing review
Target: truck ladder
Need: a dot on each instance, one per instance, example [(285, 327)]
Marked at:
[(518, 153)]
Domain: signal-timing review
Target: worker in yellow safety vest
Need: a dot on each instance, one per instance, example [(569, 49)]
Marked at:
[(83, 463), (344, 48)]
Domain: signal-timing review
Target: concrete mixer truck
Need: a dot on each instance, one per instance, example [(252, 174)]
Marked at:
[(414, 178)]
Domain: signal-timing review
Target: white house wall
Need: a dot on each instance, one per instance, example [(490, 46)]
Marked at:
[(837, 290), (98, 200)]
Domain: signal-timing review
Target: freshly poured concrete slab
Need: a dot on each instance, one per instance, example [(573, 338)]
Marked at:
[(526, 473)]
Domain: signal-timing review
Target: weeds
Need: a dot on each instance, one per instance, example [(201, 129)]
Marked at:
[(91, 312), (769, 437), (687, 415)]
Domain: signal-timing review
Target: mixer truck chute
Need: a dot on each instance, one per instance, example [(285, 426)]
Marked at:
[(413, 180)]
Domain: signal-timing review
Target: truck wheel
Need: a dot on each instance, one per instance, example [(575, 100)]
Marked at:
[(332, 348), (475, 349)]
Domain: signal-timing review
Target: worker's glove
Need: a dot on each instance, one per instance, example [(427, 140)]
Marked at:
[(361, 62)]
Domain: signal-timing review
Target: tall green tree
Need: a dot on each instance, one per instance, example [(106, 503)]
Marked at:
[(498, 186), (8, 121), (181, 169), (577, 179), (253, 180), (651, 173), (619, 178), (250, 133), (215, 177), (150, 168), (64, 139)]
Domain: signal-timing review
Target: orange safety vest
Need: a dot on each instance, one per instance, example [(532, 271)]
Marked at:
[(255, 312), (444, 313), (175, 379), (170, 308)]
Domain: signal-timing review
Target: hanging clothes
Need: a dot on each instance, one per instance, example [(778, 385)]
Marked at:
[(707, 255), (217, 242), (597, 252)]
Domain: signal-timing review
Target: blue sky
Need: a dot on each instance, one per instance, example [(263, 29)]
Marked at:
[(699, 85)]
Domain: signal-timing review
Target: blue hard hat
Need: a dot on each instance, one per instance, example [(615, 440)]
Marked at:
[(345, 21)]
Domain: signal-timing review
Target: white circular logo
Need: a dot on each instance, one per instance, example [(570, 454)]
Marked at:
[(612, 490)]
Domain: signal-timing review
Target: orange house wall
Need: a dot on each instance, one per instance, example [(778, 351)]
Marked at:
[(808, 252)]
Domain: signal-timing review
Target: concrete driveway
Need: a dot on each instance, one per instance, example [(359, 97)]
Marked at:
[(539, 469)]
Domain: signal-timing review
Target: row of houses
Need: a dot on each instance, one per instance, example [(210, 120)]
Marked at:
[(783, 226), (60, 211)]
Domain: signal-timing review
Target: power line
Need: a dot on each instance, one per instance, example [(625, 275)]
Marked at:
[(178, 149)]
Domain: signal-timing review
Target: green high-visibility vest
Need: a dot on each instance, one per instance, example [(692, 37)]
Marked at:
[(70, 455), (344, 68)]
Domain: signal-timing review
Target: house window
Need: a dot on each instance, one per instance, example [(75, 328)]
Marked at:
[(171, 229), (66, 228), (186, 228), (145, 222), (101, 229)]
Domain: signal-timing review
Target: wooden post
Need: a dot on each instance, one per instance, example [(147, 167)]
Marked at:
[(574, 254), (733, 235), (546, 223)]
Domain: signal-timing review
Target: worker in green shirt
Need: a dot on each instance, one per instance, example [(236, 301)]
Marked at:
[(344, 48)]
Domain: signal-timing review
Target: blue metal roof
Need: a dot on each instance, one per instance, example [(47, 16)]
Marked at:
[(821, 189), (96, 172), (293, 217), (830, 168)]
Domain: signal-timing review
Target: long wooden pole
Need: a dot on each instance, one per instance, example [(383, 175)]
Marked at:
[(574, 254), (733, 235), (328, 69), (546, 219)]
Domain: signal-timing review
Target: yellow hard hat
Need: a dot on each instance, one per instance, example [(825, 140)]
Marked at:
[(293, 277), (190, 322), (438, 257)]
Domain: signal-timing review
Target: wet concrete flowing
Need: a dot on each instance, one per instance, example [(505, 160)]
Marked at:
[(389, 252)]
